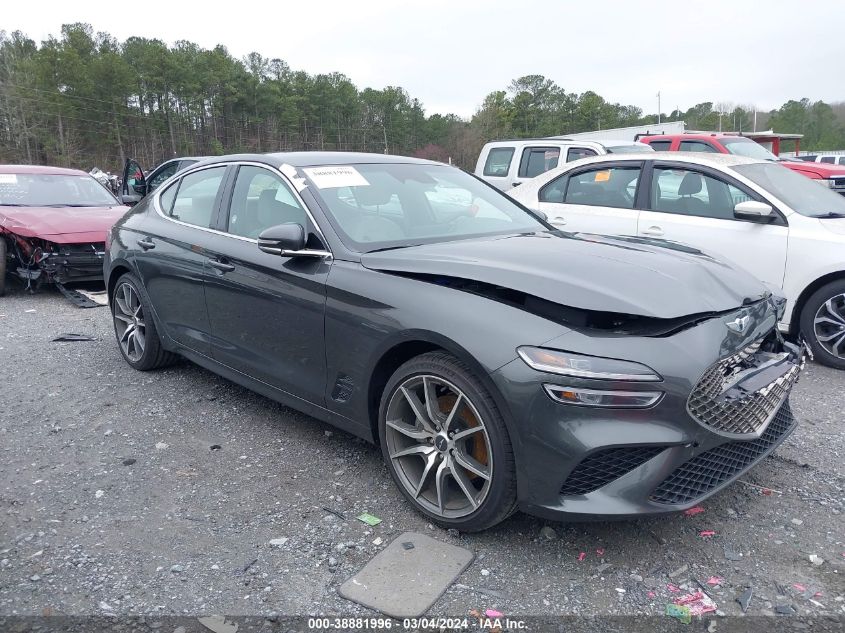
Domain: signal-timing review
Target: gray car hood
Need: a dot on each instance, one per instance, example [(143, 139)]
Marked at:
[(651, 278)]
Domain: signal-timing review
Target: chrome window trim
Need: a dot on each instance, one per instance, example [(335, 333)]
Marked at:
[(273, 170)]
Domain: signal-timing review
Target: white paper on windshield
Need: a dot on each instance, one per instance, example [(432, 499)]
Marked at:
[(8, 179), (333, 176)]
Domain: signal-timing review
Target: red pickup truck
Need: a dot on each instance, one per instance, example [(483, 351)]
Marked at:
[(832, 176)]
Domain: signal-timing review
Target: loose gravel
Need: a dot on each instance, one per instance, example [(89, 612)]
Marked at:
[(177, 492)]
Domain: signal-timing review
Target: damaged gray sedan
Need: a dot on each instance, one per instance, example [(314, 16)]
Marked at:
[(501, 364)]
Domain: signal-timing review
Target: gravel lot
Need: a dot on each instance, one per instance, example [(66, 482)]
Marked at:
[(113, 502)]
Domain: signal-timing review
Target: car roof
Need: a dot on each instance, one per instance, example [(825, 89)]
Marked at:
[(701, 158), (317, 159), (41, 169)]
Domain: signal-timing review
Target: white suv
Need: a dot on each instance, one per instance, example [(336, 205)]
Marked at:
[(775, 223), (506, 164)]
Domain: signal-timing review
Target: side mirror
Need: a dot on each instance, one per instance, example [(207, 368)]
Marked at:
[(283, 239), (753, 210), (130, 199), (540, 214)]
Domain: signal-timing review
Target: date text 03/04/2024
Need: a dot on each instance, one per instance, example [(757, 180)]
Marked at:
[(417, 624)]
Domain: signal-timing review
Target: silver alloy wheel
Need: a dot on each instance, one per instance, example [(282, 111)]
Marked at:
[(129, 322), (829, 325), (439, 446)]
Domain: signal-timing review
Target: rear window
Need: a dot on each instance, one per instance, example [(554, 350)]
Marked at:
[(697, 146), (660, 146), (498, 162)]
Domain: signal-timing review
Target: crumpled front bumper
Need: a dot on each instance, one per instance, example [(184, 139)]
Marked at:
[(66, 263), (587, 463)]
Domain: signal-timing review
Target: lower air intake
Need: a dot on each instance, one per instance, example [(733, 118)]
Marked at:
[(604, 466)]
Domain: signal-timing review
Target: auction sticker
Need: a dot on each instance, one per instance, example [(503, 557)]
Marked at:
[(332, 176), (8, 179)]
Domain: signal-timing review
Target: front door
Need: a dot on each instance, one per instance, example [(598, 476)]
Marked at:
[(267, 311), (596, 199), (697, 208)]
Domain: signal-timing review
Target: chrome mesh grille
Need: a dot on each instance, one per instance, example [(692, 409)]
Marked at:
[(748, 414), (710, 469)]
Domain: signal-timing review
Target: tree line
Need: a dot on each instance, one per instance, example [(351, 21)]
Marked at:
[(84, 99)]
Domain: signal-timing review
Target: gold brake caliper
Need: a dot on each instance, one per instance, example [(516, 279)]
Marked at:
[(479, 446)]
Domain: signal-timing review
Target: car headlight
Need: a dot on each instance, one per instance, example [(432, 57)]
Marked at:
[(610, 399), (581, 366), (827, 182)]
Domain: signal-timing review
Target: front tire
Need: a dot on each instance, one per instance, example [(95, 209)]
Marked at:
[(823, 324), (446, 444), (134, 327)]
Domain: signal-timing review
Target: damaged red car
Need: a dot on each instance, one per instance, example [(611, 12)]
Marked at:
[(53, 225)]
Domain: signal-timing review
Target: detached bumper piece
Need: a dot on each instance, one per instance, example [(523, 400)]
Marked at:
[(714, 467)]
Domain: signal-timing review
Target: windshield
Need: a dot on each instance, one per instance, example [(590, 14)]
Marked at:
[(633, 148), (746, 147), (377, 206), (53, 190), (799, 192)]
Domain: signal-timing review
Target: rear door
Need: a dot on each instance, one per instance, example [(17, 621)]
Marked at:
[(599, 198), (695, 205), (171, 254), (267, 311), (536, 159)]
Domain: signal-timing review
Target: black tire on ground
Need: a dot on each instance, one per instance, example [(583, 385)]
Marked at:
[(808, 314), (154, 355), (500, 501), (2, 265)]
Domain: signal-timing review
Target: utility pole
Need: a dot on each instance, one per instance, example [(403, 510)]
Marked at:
[(658, 107)]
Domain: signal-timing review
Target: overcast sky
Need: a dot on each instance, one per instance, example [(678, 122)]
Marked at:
[(450, 54)]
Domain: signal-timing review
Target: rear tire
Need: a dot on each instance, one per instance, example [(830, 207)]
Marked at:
[(134, 327), (446, 444), (823, 324)]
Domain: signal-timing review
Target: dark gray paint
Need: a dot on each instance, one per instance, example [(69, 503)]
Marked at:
[(300, 330)]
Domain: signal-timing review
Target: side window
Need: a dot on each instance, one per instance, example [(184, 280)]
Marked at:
[(194, 201), (554, 190), (841, 160), (261, 199), (574, 153), (167, 197), (691, 193), (498, 161), (609, 187), (538, 160), (696, 146), (661, 146), (826, 159), (163, 175)]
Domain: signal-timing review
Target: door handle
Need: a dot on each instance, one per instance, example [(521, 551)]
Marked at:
[(146, 244), (653, 231), (560, 221), (221, 266), (516, 184)]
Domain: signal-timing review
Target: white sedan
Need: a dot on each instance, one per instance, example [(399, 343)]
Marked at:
[(779, 225)]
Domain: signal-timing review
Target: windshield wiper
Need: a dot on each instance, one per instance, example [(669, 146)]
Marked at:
[(830, 215), (13, 204), (392, 248), (59, 205)]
